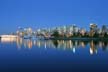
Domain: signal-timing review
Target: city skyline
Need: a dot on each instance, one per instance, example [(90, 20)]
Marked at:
[(40, 14), (87, 29), (53, 35)]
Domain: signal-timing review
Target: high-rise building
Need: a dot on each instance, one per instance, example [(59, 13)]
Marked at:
[(104, 29), (83, 31), (93, 27)]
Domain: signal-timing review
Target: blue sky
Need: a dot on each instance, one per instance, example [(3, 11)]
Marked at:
[(51, 13)]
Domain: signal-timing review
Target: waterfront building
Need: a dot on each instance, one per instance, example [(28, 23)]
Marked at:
[(93, 29), (82, 31), (20, 31), (104, 29)]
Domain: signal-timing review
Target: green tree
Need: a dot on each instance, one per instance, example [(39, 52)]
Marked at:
[(55, 34)]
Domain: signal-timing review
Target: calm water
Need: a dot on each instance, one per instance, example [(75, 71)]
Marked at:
[(53, 55)]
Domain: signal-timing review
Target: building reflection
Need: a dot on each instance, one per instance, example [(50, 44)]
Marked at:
[(104, 45), (65, 44), (72, 45), (19, 42), (95, 45), (93, 48)]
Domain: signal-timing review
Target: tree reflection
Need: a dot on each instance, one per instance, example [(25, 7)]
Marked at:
[(55, 43)]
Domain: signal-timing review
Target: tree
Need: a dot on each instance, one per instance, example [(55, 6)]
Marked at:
[(55, 34)]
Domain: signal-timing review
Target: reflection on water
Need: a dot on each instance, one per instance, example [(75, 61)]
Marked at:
[(6, 39), (93, 45)]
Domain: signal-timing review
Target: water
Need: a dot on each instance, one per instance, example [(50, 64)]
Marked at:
[(53, 55)]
